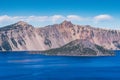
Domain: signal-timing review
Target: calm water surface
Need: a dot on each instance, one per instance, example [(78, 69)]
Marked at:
[(24, 66)]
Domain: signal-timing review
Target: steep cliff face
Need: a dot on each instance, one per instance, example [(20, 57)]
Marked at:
[(22, 36)]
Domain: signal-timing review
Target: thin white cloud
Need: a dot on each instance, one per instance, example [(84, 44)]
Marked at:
[(74, 17), (5, 19), (55, 18), (36, 18), (104, 17)]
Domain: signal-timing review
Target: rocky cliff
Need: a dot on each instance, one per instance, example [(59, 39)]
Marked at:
[(22, 36), (79, 48)]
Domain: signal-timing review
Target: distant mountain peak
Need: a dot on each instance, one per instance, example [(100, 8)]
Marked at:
[(21, 23), (65, 22)]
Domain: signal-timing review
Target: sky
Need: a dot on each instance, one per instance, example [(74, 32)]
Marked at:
[(39, 13)]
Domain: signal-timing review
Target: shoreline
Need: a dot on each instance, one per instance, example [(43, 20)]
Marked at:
[(46, 54)]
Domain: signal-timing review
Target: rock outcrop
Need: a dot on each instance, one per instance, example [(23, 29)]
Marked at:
[(79, 48), (22, 36)]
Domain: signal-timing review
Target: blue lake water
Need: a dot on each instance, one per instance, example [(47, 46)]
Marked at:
[(24, 66)]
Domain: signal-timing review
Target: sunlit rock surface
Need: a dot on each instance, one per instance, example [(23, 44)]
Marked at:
[(22, 36)]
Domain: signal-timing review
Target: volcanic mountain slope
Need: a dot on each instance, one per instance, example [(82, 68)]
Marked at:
[(79, 48), (22, 36)]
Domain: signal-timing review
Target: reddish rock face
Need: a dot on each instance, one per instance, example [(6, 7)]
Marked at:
[(23, 36)]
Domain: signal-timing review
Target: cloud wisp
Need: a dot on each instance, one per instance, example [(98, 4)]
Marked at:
[(103, 17), (4, 19)]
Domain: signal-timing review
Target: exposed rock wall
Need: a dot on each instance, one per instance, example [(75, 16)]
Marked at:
[(22, 36)]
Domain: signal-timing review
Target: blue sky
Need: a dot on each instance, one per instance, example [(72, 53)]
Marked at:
[(98, 13)]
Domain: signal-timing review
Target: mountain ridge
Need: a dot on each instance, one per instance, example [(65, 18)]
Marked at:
[(22, 36), (19, 24)]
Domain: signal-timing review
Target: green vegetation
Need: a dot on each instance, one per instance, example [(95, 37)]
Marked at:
[(79, 48), (0, 48), (104, 51), (21, 41), (89, 51), (14, 42), (6, 46)]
